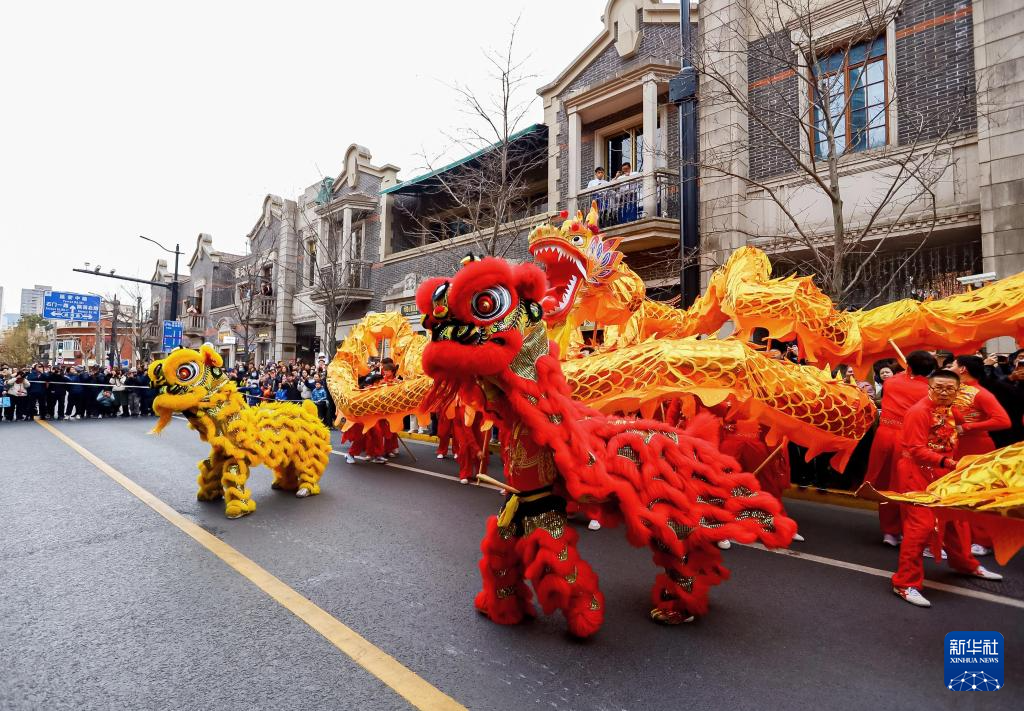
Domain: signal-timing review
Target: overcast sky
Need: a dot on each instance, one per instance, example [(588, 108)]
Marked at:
[(171, 119)]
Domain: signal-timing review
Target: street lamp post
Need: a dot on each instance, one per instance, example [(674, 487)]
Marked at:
[(174, 284), (683, 93)]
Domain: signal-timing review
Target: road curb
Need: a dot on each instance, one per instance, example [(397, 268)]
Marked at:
[(833, 497)]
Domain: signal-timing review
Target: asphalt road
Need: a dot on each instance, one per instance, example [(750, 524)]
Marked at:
[(104, 604)]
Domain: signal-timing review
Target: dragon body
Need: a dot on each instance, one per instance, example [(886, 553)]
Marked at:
[(674, 492), (286, 437)]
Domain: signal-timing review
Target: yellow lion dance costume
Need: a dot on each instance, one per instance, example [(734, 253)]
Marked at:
[(286, 437)]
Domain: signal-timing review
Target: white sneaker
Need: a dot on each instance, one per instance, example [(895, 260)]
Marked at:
[(913, 596), (455, 456), (981, 572), (463, 481), (978, 549), (798, 538), (440, 456), (725, 545), (594, 525), (380, 460), (349, 459), (928, 553), (393, 454), (363, 457), (891, 540)]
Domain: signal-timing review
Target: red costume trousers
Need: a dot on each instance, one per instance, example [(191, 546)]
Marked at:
[(445, 427), (921, 527), (881, 474)]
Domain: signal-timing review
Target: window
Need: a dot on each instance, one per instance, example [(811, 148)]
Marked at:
[(67, 346), (852, 84), (626, 147)]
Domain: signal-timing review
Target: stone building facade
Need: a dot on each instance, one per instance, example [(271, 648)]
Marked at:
[(946, 97)]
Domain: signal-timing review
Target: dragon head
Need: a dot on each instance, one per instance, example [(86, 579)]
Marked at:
[(481, 319), (573, 256), (185, 379)]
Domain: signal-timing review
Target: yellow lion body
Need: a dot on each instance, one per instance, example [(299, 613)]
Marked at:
[(286, 437)]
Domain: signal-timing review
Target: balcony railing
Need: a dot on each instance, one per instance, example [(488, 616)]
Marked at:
[(350, 280), (625, 201), (194, 323)]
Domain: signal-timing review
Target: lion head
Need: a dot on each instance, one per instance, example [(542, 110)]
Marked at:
[(184, 380)]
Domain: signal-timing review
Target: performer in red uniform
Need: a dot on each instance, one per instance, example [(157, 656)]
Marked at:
[(470, 443), (982, 414), (445, 428), (929, 451), (900, 393)]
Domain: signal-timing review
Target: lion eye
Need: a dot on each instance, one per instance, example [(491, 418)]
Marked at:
[(491, 302), (187, 371)]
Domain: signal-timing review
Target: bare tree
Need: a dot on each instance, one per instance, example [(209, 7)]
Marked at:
[(252, 300), (821, 96), (491, 196)]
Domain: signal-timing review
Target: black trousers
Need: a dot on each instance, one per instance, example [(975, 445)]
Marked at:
[(55, 403), (23, 406)]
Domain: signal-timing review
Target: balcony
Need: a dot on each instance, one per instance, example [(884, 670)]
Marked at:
[(343, 282), (194, 324), (262, 309), (152, 332), (626, 209)]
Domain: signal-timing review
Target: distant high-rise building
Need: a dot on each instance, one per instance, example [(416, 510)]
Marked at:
[(32, 299), (1, 299)]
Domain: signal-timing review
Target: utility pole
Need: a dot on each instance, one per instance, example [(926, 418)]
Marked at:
[(683, 93), (115, 353)]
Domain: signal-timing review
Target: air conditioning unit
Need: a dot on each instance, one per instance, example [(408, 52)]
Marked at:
[(977, 279)]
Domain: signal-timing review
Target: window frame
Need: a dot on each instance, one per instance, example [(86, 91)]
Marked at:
[(847, 96)]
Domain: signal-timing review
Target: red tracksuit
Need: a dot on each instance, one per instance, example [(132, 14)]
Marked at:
[(923, 449), (982, 414), (899, 394), (445, 429), (469, 444)]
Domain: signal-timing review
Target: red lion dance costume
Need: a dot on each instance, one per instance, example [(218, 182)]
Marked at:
[(675, 493)]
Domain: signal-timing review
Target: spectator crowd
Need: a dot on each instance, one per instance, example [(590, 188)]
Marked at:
[(57, 392)]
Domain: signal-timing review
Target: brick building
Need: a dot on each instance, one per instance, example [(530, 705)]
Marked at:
[(921, 86), (928, 84)]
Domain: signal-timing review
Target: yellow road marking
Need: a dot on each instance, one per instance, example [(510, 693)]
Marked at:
[(382, 665)]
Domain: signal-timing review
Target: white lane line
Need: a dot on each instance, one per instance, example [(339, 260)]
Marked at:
[(878, 572), (867, 570), (437, 475)]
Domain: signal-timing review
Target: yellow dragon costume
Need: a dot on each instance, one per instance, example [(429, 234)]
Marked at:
[(650, 350), (286, 437), (645, 360)]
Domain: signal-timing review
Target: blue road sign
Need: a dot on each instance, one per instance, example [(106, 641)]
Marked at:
[(66, 306), (173, 331)]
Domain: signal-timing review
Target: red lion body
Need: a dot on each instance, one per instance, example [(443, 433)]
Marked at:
[(673, 491)]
